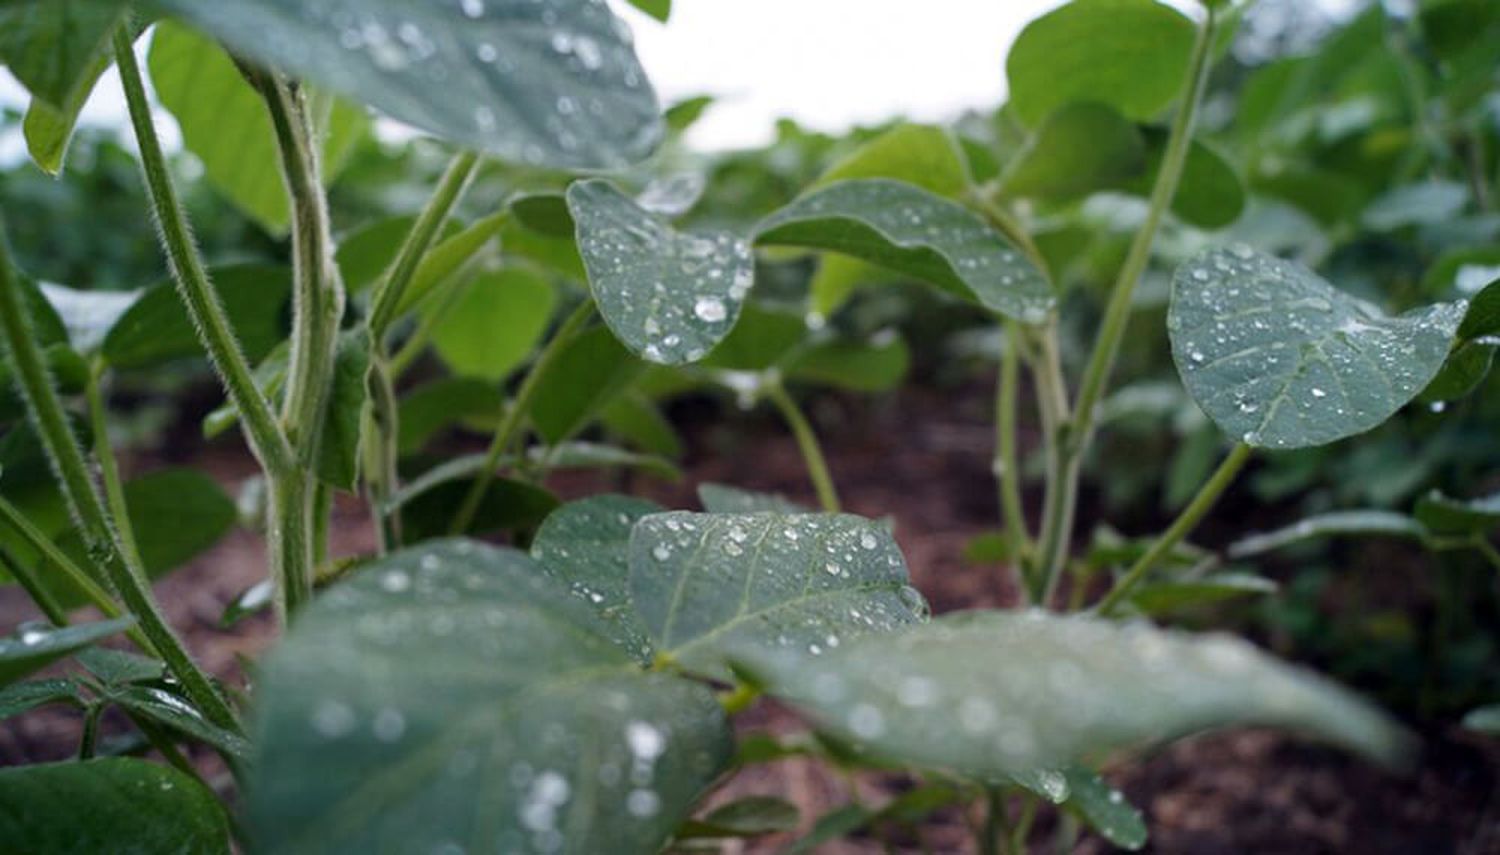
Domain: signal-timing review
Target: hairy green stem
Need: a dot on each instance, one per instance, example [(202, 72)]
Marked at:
[(515, 416), (198, 296), (66, 456), (1007, 472), (109, 470), (1060, 503), (382, 450), (807, 441), (1180, 528), (1117, 312)]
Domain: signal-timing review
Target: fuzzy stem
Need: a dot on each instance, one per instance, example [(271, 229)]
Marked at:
[(807, 441), (1061, 499), (198, 296), (109, 470), (1007, 472), (1186, 521), (515, 415)]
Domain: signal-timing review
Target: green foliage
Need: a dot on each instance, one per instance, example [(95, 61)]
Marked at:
[(32, 648)]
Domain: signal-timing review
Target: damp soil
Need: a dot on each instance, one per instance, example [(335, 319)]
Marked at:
[(922, 457)]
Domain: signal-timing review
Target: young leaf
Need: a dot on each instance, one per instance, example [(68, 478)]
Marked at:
[(911, 231), (584, 546), (132, 806), (494, 324), (156, 329), (1331, 524), (34, 646), (225, 123), (552, 83), (1446, 515), (706, 584), (589, 373), (167, 709), (922, 155), (1078, 149), (987, 694), (1175, 594), (1104, 808), (1280, 359), (669, 296), (1131, 55), (453, 695)]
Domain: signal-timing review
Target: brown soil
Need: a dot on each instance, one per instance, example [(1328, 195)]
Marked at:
[(1241, 792)]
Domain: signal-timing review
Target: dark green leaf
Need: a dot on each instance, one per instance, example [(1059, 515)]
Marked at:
[(554, 83), (1171, 595), (1465, 369), (747, 817), (1443, 514), (507, 505), (133, 807), (156, 329), (1105, 809), (544, 213), (1210, 193), (27, 695), (1280, 359), (590, 372), (876, 365), (1332, 524), (48, 129), (53, 48), (437, 405), (909, 230), (117, 667), (707, 584), (453, 695), (1483, 318), (162, 707), (35, 646)]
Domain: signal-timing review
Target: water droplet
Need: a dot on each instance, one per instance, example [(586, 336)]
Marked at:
[(710, 309), (473, 8), (646, 741), (643, 803)]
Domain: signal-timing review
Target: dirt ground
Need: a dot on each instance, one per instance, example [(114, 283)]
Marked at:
[(1242, 792)]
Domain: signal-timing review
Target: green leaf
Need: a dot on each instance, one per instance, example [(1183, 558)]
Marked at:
[(591, 371), (48, 129), (225, 123), (18, 698), (634, 419), (1426, 203), (921, 155), (911, 231), (449, 256), (876, 365), (548, 84), (1331, 524), (723, 499), (1078, 149), (707, 584), (685, 113), (661, 10), (1442, 514), (508, 505), (1170, 595), (750, 816), (669, 296), (1131, 55), (35, 646), (133, 807), (1210, 193), (162, 707), (1280, 359), (544, 213), (87, 316), (584, 546), (366, 252), (434, 406), (762, 339), (1483, 318), (453, 695), (1484, 719), (987, 694), (53, 48), (494, 323), (339, 447), (1465, 368), (157, 330), (1104, 809), (835, 280), (117, 667)]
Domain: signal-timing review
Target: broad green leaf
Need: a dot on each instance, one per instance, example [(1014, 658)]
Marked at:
[(339, 447), (164, 708), (430, 408), (876, 365), (494, 323), (452, 695), (1131, 55), (27, 695), (1442, 514), (591, 371), (225, 123), (365, 252), (1169, 595), (750, 816), (1331, 524), (723, 499), (585, 546), (911, 231), (1483, 318), (553, 83), (921, 155), (544, 213), (636, 420), (1078, 149), (53, 48), (1465, 368), (661, 10), (1280, 359), (156, 329), (1484, 719), (1425, 203), (132, 807), (35, 646), (669, 296), (835, 280), (762, 338), (48, 128), (88, 316), (1104, 808), (447, 257), (985, 694), (508, 505), (707, 584), (1210, 193)]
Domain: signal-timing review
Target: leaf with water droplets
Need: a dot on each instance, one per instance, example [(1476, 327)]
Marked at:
[(1331, 524), (987, 694), (669, 296), (114, 804), (34, 646), (453, 696), (706, 584), (1443, 514), (907, 229), (584, 545), (164, 708), (543, 82), (27, 695), (1280, 359), (1104, 808)]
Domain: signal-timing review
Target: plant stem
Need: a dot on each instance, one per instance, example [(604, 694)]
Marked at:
[(214, 331), (807, 441), (33, 588), (515, 415), (1117, 312), (1061, 498), (382, 451), (1186, 521), (89, 739), (995, 835), (114, 491), (66, 456), (1007, 472)]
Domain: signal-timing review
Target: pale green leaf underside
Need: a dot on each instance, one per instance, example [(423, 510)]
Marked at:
[(453, 696), (987, 694), (545, 82), (707, 584), (1280, 359), (907, 229), (669, 296)]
